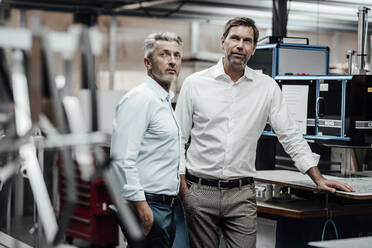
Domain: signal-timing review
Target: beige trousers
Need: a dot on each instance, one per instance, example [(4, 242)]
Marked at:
[(210, 211)]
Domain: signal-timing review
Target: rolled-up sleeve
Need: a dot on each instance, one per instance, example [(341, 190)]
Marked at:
[(184, 113), (132, 118), (289, 134)]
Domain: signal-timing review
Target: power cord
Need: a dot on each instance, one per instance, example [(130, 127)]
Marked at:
[(167, 14), (325, 226), (329, 214)]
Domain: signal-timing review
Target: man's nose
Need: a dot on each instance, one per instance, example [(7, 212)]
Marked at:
[(240, 44), (172, 60)]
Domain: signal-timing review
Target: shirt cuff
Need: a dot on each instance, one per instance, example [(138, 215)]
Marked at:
[(307, 161), (131, 193), (182, 169)]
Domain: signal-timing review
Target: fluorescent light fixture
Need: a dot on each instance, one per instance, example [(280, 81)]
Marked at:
[(228, 11), (323, 8), (359, 2), (322, 17)]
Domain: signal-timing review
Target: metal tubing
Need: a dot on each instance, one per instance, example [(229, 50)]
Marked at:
[(362, 39), (343, 108), (350, 56), (68, 89), (9, 211), (7, 172), (112, 52), (317, 95), (132, 227), (89, 71), (40, 156), (68, 167), (195, 27)]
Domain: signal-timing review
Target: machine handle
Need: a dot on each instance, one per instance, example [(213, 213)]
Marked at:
[(319, 107)]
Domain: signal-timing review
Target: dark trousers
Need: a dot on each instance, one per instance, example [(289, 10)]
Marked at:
[(163, 230), (181, 240)]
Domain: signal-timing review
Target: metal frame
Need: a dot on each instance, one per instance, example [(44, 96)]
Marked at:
[(8, 241), (343, 79), (313, 137), (275, 58), (317, 97), (61, 137), (343, 107)]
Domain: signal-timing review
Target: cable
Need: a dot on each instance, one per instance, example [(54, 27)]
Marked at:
[(277, 17), (261, 39), (325, 226), (288, 9), (317, 22), (167, 14)]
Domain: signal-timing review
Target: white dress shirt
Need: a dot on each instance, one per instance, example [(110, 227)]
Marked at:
[(145, 142), (225, 120)]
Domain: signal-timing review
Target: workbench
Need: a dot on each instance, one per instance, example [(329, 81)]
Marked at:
[(363, 242), (294, 179), (299, 221)]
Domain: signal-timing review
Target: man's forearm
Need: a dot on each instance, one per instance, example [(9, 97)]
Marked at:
[(183, 186), (315, 174), (139, 205), (145, 214), (326, 184)]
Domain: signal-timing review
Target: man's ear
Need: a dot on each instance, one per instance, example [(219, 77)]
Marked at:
[(222, 42), (147, 63), (254, 49)]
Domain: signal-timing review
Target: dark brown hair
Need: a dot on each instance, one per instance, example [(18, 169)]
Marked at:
[(241, 21)]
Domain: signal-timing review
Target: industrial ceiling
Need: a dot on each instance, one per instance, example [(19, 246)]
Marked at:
[(302, 15)]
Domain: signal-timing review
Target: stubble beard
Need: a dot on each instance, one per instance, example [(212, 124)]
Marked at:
[(241, 65), (166, 79)]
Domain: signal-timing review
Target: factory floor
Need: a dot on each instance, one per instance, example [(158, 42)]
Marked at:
[(22, 228)]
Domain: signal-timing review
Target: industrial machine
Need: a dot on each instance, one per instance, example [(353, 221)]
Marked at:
[(338, 106), (333, 111), (290, 59)]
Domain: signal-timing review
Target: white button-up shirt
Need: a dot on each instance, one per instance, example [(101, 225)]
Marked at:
[(225, 120), (145, 142)]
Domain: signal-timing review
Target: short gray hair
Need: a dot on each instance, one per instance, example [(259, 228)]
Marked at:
[(151, 39)]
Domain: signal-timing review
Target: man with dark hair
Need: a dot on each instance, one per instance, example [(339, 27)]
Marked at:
[(146, 141), (224, 110), (241, 21)]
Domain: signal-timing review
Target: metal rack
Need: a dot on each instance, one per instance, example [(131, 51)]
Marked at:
[(352, 122)]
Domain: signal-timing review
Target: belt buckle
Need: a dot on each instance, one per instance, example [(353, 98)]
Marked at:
[(221, 181)]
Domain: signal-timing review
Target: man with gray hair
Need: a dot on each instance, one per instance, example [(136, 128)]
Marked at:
[(146, 141)]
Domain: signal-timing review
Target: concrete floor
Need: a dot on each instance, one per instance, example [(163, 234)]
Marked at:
[(20, 230)]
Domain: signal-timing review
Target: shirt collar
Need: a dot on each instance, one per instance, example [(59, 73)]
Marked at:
[(158, 90), (220, 71)]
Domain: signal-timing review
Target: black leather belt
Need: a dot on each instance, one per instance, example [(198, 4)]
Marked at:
[(166, 199), (225, 184)]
